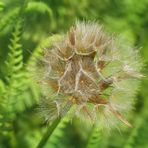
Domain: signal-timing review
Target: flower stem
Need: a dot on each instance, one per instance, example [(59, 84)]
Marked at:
[(52, 127), (48, 133)]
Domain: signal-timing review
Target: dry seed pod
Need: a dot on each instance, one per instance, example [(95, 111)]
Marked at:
[(93, 73)]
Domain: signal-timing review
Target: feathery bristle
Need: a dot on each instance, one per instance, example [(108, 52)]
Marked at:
[(90, 66)]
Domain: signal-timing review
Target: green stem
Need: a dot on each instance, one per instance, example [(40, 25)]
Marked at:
[(51, 128), (48, 133)]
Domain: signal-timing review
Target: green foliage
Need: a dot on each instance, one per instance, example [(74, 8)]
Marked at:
[(38, 7), (8, 18), (25, 28), (14, 65), (95, 138), (132, 138), (1, 6)]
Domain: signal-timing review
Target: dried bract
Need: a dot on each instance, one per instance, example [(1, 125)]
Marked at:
[(93, 73)]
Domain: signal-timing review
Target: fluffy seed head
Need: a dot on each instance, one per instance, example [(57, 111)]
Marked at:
[(92, 73)]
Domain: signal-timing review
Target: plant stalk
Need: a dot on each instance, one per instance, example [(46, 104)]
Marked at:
[(48, 133)]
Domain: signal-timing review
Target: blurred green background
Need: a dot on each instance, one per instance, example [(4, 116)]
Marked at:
[(25, 28)]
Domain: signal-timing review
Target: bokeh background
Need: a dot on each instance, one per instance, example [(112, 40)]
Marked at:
[(25, 28)]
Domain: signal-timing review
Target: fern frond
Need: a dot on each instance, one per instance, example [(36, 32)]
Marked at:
[(14, 62), (95, 138), (15, 95), (40, 7), (8, 18), (5, 122), (17, 75), (138, 137), (14, 65), (131, 140)]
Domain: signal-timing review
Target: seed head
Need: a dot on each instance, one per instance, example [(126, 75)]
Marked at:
[(91, 72)]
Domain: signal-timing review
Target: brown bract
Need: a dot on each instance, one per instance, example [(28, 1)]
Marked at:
[(78, 68)]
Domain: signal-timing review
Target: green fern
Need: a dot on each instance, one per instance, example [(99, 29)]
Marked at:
[(15, 93), (138, 136), (14, 65), (12, 88), (95, 138), (43, 9), (40, 7), (14, 62), (131, 140), (8, 18), (2, 106)]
